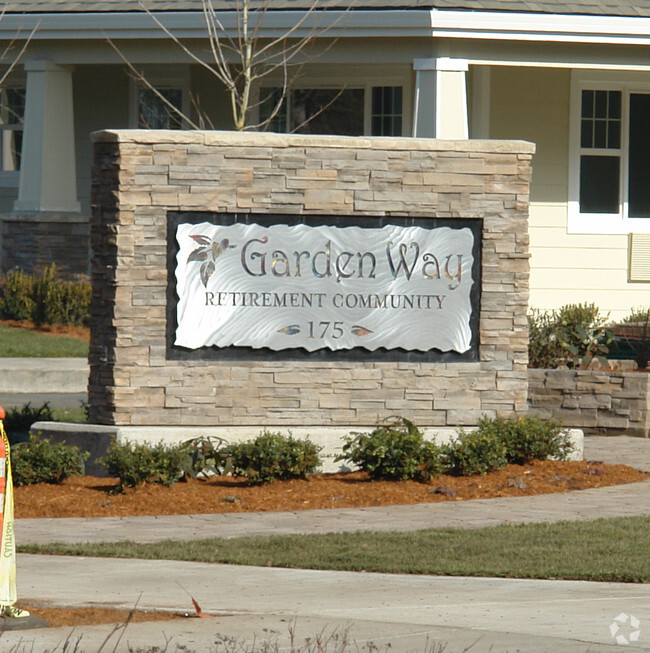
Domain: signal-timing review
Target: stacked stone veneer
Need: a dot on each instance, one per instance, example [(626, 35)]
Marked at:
[(35, 240), (140, 175), (606, 402)]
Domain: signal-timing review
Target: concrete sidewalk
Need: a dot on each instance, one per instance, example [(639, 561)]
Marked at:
[(61, 382), (402, 611), (409, 613)]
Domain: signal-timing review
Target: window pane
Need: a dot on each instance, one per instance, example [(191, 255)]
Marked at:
[(599, 184), (639, 157), (600, 133), (327, 111), (269, 100), (614, 98), (155, 113), (586, 133), (587, 104), (600, 106), (14, 109)]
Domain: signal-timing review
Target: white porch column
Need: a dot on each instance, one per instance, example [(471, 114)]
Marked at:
[(440, 107), (48, 180)]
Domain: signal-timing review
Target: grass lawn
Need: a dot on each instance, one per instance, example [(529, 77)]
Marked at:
[(21, 343), (601, 550), (76, 415)]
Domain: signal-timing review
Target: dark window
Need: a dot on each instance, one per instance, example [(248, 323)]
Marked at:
[(599, 184), (332, 111), (327, 111), (639, 157), (156, 110)]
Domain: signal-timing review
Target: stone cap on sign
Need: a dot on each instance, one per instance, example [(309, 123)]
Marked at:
[(265, 139)]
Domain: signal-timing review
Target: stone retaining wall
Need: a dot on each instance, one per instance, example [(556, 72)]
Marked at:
[(141, 175), (599, 402)]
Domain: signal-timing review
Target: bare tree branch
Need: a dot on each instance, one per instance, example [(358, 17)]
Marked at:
[(243, 60), (140, 77), (10, 47)]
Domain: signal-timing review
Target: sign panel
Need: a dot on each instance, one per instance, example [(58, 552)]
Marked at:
[(315, 287)]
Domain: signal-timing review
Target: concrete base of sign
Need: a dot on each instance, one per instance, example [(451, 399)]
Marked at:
[(96, 439)]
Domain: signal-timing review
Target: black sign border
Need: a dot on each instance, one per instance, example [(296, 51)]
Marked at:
[(357, 354)]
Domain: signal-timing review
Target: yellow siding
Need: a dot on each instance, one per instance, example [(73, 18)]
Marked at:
[(533, 104)]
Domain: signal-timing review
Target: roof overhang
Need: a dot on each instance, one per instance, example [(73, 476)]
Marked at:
[(353, 23), (559, 28)]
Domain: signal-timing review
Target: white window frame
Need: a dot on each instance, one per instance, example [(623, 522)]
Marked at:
[(357, 81), (603, 223), (170, 77)]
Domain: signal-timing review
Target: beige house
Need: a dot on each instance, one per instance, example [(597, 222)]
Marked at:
[(572, 77)]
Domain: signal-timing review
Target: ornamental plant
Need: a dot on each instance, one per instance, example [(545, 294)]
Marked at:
[(475, 453), (573, 335), (134, 463), (528, 437), (44, 461), (271, 456), (394, 450), (44, 297)]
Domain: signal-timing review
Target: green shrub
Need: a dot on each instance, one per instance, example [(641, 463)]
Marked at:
[(474, 453), (271, 456), (639, 314), (45, 298), (528, 438), (394, 450), (134, 463), (16, 296), (18, 421), (573, 335), (544, 348), (43, 461)]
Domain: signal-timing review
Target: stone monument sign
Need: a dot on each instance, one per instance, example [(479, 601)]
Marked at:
[(265, 280)]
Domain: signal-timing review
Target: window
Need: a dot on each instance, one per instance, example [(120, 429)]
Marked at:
[(12, 113), (156, 110), (610, 166), (387, 111), (335, 111)]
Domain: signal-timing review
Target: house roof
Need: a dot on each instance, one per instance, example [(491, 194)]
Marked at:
[(633, 8)]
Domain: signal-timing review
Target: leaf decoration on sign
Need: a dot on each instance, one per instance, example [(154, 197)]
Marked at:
[(199, 254), (201, 240), (290, 330), (219, 249), (207, 254), (360, 330), (206, 272)]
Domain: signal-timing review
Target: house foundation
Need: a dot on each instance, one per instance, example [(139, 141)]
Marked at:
[(31, 241)]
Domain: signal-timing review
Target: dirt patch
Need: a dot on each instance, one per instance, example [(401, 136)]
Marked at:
[(77, 332), (93, 616), (99, 497)]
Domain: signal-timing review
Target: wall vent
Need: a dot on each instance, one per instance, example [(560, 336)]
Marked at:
[(639, 258)]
